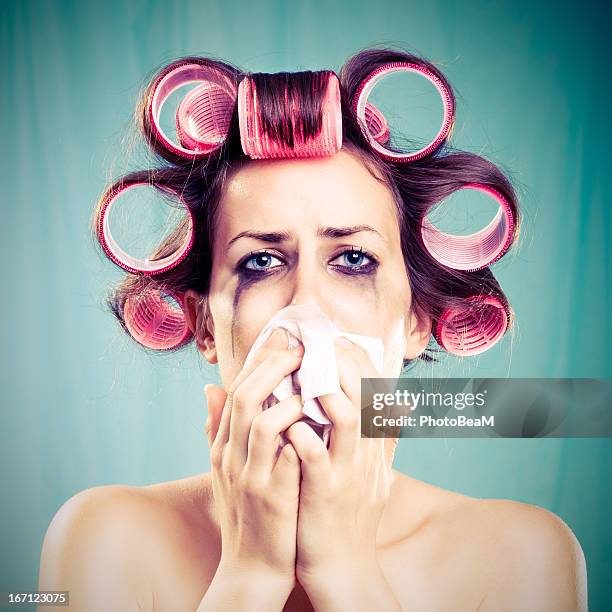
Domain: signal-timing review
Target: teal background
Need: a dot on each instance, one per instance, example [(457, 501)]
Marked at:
[(82, 406)]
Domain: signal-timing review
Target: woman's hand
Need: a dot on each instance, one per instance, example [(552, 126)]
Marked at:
[(343, 490), (256, 489)]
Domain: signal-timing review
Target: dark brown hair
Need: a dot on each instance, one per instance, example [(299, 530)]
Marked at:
[(416, 187)]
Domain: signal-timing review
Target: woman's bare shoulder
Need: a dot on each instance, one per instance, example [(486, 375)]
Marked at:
[(494, 522), (111, 505), (146, 541), (120, 501), (175, 517), (123, 512), (509, 550), (532, 557), (445, 508), (99, 532)]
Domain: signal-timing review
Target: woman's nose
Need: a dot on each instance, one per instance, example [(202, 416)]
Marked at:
[(308, 281)]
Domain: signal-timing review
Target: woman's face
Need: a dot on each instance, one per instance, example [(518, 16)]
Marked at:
[(294, 230)]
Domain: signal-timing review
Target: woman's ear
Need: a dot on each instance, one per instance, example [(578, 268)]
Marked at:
[(418, 332), (199, 320)]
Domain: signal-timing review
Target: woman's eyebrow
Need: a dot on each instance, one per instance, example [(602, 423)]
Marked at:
[(324, 232), (340, 232)]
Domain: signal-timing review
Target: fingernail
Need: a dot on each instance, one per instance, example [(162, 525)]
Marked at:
[(345, 342), (278, 339)]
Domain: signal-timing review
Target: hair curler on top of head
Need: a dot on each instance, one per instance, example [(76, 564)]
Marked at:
[(310, 114)]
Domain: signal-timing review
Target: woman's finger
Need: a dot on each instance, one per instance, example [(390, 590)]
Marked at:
[(277, 340), (344, 408), (266, 427), (354, 363), (250, 395), (346, 426), (315, 464), (215, 400), (286, 473)]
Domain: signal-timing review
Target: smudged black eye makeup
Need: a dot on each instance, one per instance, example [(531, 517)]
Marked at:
[(353, 267), (259, 264)]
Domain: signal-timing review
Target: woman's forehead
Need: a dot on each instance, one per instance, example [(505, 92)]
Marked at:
[(337, 189)]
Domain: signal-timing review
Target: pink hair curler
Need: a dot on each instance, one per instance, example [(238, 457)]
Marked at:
[(203, 117), (259, 145), (377, 124), (154, 321), (204, 114), (360, 107), (475, 328), (478, 250), (148, 267)]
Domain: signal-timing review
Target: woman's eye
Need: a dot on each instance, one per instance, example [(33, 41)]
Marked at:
[(259, 261), (356, 260)]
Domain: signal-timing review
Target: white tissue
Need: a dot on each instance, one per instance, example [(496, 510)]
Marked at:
[(318, 373)]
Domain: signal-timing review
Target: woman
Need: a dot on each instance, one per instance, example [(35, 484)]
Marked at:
[(309, 526)]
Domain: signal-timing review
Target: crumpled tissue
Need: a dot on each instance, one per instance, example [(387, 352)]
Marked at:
[(318, 372)]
